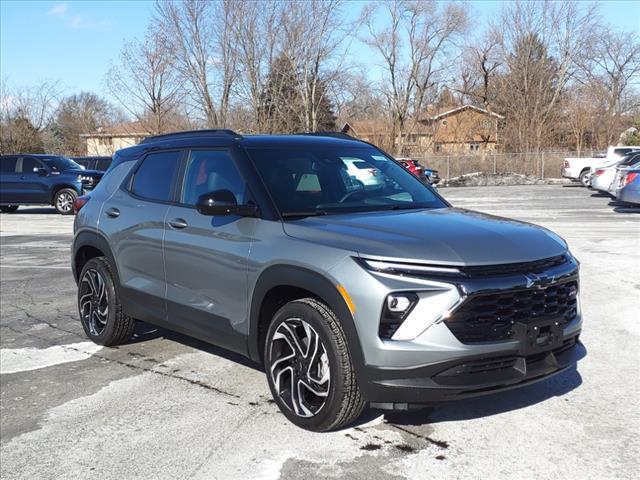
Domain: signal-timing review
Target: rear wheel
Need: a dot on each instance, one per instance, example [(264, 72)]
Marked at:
[(101, 314), (309, 369), (585, 178), (64, 200), (8, 208)]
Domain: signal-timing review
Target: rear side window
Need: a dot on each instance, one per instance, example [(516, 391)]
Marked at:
[(103, 164), (8, 164), (154, 177)]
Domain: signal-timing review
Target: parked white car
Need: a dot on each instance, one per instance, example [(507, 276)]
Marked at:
[(582, 168), (630, 163), (602, 177), (364, 173)]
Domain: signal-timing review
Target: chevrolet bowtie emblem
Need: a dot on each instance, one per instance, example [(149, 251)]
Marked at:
[(539, 281)]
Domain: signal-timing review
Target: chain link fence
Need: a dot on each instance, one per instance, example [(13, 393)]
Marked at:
[(539, 164)]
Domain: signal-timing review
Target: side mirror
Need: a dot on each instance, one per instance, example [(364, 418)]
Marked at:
[(223, 202), (42, 172)]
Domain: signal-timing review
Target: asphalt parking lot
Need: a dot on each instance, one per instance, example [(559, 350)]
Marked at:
[(165, 406)]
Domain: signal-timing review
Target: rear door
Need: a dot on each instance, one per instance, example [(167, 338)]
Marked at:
[(133, 219), (206, 256), (9, 180), (34, 187)]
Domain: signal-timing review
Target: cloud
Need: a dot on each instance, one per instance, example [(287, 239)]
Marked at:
[(59, 10), (75, 20)]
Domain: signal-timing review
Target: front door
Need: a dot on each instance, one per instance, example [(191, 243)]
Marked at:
[(33, 186), (206, 256)]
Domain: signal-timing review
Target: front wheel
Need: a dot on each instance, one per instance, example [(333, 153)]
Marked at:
[(309, 369), (64, 200), (8, 208)]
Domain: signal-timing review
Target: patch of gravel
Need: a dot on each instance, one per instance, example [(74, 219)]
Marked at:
[(482, 179)]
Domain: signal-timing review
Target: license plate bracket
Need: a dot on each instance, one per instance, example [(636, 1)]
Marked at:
[(537, 337)]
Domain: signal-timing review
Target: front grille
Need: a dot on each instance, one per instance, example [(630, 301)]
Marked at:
[(490, 317), (537, 266)]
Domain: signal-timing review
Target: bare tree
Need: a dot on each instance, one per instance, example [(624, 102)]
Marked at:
[(26, 114), (313, 33), (80, 113), (256, 37), (145, 82), (481, 62), (609, 67), (417, 46), (202, 39), (542, 42)]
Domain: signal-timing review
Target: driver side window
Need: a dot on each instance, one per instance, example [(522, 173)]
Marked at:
[(208, 171), (28, 164)]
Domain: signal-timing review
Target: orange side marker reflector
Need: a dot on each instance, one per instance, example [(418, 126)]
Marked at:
[(347, 299)]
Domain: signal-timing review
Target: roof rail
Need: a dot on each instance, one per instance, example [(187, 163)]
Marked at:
[(330, 134), (191, 133)]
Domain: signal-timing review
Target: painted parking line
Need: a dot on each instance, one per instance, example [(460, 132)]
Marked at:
[(14, 360), (53, 267)]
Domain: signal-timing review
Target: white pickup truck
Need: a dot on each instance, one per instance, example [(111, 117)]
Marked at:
[(580, 168)]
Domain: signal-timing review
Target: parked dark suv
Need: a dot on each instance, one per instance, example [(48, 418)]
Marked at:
[(347, 295), (34, 179), (93, 163)]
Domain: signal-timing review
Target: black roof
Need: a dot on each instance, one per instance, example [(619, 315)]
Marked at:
[(228, 138)]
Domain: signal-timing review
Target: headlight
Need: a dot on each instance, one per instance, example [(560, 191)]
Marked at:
[(398, 268)]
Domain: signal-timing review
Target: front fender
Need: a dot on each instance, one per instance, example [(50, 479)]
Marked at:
[(318, 285)]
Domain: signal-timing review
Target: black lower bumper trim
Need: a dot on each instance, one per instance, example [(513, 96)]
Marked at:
[(469, 377)]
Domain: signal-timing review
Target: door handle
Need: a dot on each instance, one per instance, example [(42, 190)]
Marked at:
[(112, 212), (178, 223)]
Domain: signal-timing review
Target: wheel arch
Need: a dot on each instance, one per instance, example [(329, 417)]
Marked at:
[(298, 282), (56, 188), (88, 245)]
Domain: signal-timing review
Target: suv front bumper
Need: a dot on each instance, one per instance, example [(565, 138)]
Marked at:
[(466, 377)]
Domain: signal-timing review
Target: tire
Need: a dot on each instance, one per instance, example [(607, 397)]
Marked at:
[(585, 178), (8, 208), (99, 307), (64, 199), (334, 400)]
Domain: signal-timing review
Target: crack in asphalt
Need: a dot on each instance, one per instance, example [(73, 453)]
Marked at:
[(197, 383), (438, 443)]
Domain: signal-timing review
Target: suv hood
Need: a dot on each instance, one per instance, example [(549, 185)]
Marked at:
[(446, 236)]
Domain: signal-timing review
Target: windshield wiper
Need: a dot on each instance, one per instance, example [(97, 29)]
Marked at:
[(312, 213), (406, 207)]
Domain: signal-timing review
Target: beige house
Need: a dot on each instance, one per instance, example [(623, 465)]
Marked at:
[(107, 140), (455, 130)]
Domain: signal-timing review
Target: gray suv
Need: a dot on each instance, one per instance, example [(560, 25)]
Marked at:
[(348, 294)]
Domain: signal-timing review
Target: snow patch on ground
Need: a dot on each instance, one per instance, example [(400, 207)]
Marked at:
[(13, 360)]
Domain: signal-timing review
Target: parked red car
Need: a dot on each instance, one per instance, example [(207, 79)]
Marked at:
[(424, 174)]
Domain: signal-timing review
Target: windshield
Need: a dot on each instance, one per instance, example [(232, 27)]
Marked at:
[(61, 164), (319, 181)]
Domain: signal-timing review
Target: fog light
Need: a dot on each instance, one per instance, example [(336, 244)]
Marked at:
[(398, 303), (395, 310)]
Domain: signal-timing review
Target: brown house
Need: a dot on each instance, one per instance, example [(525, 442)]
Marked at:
[(109, 139), (456, 130)]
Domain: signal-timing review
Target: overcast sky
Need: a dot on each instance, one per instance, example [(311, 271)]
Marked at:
[(75, 41)]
